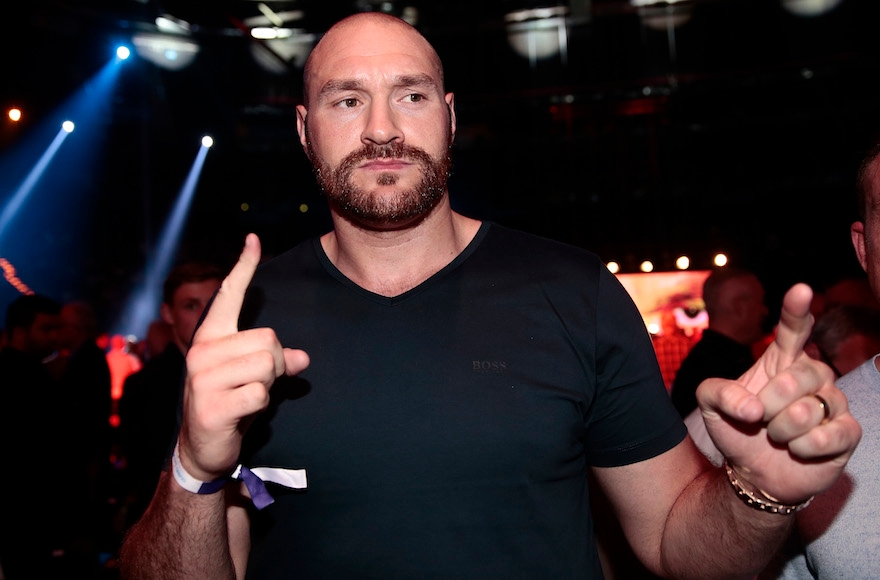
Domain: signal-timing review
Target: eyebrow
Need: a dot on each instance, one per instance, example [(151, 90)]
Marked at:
[(342, 85)]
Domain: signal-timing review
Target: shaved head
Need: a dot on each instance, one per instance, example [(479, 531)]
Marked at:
[(372, 27)]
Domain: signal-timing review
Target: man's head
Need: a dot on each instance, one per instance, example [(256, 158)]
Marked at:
[(187, 291), (78, 324), (376, 122), (734, 301), (865, 233), (845, 336), (32, 325)]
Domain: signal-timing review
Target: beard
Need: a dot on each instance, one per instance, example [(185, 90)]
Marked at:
[(366, 206)]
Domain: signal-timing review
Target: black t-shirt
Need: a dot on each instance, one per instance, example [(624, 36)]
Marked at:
[(447, 432), (715, 355)]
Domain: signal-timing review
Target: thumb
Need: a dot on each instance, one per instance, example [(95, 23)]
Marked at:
[(295, 361)]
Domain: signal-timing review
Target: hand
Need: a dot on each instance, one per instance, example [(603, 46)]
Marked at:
[(228, 375), (769, 424)]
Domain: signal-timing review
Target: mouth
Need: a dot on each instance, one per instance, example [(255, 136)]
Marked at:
[(385, 165)]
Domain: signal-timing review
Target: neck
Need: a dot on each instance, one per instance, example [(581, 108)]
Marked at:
[(391, 262)]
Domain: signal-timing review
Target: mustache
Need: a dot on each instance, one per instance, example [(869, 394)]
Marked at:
[(387, 151)]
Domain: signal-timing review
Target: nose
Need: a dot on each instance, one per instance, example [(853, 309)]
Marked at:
[(382, 126)]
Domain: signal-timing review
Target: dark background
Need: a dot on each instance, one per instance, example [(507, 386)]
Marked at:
[(739, 132)]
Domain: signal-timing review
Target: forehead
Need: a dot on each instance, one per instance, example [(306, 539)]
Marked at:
[(203, 289), (872, 177), (368, 48)]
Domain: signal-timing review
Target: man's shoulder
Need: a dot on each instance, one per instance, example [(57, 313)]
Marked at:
[(535, 250)]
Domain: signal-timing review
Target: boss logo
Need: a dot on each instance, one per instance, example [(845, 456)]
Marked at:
[(489, 366)]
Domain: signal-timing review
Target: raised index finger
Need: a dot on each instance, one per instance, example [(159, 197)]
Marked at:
[(222, 317), (795, 324)]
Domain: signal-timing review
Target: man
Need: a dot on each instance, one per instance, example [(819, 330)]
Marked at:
[(84, 450), (29, 414), (461, 381), (734, 302), (845, 336), (837, 536), (150, 398)]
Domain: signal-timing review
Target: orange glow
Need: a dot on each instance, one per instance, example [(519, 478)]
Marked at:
[(122, 363), (15, 114), (9, 274)]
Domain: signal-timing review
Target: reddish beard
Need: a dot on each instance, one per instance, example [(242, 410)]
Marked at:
[(365, 206)]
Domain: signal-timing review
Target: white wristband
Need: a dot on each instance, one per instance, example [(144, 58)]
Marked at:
[(190, 483)]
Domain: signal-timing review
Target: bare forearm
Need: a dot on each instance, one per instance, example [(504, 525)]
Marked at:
[(181, 535), (711, 533)]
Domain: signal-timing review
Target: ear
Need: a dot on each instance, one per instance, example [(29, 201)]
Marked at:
[(165, 311), (301, 113), (450, 102), (857, 234)]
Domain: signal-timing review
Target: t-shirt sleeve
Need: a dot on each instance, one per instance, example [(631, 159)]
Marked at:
[(631, 418)]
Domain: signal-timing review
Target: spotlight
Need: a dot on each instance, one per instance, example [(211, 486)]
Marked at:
[(207, 141), (14, 114), (646, 266), (123, 52), (720, 260), (68, 126), (683, 263), (613, 267)]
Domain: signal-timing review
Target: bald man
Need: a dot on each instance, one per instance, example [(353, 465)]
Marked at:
[(457, 382), (734, 300)]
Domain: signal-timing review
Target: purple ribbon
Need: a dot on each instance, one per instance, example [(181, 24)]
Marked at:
[(255, 486)]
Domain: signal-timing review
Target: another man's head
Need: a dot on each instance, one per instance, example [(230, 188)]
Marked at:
[(78, 325), (32, 325), (187, 291), (734, 301), (845, 336), (865, 233), (376, 122)]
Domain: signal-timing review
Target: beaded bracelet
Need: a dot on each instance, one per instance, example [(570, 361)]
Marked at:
[(758, 498)]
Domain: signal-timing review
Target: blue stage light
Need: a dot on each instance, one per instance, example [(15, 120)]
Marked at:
[(144, 305)]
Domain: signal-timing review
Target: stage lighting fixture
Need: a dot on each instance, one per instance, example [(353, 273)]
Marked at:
[(123, 52), (68, 126), (646, 266), (720, 260), (683, 263), (810, 8), (207, 141), (165, 50), (172, 25), (538, 33), (613, 267), (281, 48), (14, 114)]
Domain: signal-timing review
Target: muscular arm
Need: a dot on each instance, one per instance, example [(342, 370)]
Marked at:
[(683, 519), (185, 535), (228, 377)]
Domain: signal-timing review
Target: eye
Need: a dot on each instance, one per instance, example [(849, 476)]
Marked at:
[(348, 103), (415, 98)]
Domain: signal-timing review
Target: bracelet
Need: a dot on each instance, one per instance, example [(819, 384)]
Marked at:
[(190, 483), (758, 498)]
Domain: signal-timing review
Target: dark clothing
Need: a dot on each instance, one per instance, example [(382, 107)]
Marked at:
[(85, 385), (31, 505), (715, 355), (447, 432), (148, 423), (84, 450)]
